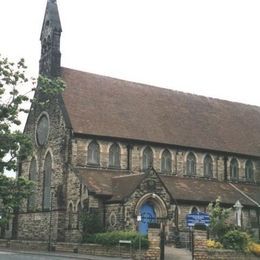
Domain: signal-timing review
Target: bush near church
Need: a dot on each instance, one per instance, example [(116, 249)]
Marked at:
[(254, 248), (112, 238)]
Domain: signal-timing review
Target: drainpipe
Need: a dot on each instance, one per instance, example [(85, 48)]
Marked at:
[(123, 204), (258, 221), (225, 169), (129, 155)]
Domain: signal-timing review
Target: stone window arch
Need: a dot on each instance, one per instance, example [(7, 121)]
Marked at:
[(70, 216), (147, 158), (79, 210), (166, 162), (114, 156), (249, 171), (208, 166), (194, 210), (47, 182), (93, 153), (234, 171), (32, 177), (191, 164)]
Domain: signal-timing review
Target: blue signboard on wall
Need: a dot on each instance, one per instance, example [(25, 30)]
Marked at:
[(197, 218)]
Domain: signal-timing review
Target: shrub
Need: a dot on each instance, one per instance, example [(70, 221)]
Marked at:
[(236, 240), (112, 238), (218, 219), (214, 244), (254, 248), (91, 223)]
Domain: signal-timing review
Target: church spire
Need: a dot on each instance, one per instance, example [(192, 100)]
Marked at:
[(50, 41)]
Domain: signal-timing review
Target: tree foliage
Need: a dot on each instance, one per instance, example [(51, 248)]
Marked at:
[(15, 146), (12, 193), (218, 219)]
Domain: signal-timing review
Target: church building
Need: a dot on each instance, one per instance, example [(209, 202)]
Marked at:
[(122, 149)]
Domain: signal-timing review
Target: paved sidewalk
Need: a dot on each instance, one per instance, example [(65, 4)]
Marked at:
[(173, 253)]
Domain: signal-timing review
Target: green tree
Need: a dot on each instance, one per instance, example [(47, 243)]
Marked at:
[(12, 193), (15, 146), (218, 219)]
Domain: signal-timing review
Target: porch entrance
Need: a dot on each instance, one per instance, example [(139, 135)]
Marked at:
[(147, 216)]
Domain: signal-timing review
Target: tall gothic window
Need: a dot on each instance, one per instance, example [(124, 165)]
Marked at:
[(166, 162), (234, 169), (191, 164), (70, 215), (147, 158), (114, 156), (32, 177), (47, 182), (78, 215), (208, 166), (93, 153), (249, 171)]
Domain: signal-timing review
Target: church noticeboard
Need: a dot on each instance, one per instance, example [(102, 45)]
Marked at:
[(197, 218)]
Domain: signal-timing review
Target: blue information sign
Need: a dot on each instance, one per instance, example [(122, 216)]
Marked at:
[(197, 218)]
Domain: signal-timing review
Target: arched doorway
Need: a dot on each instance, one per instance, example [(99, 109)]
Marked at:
[(151, 208), (147, 216)]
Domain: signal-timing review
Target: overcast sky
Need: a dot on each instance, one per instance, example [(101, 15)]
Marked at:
[(204, 47)]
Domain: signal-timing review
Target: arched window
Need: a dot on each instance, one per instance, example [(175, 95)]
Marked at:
[(194, 210), (47, 182), (234, 170), (208, 166), (191, 164), (249, 171), (166, 162), (93, 153), (32, 177), (114, 156), (78, 215), (147, 158), (70, 215)]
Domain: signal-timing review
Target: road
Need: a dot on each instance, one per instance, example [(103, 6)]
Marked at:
[(170, 254), (15, 255)]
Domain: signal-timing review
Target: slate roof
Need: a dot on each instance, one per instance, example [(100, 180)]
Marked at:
[(98, 181), (104, 106), (124, 186), (119, 185), (201, 190)]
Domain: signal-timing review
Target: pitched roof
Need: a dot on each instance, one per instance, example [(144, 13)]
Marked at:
[(123, 186), (201, 190), (104, 106), (98, 181), (119, 185)]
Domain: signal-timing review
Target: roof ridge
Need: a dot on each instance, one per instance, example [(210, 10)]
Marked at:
[(161, 88), (131, 174), (244, 194)]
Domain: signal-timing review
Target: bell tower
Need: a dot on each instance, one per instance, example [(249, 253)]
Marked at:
[(50, 41)]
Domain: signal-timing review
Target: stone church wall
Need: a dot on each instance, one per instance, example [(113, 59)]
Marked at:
[(58, 146), (81, 150)]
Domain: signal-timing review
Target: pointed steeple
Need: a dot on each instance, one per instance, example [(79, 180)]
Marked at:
[(50, 41)]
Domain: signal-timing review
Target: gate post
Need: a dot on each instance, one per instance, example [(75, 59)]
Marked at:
[(199, 246), (154, 242), (162, 241)]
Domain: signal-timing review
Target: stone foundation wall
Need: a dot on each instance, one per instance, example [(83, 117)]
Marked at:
[(201, 252), (88, 249), (36, 226)]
